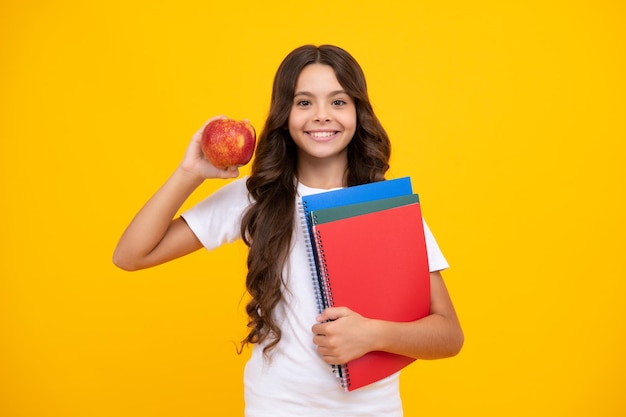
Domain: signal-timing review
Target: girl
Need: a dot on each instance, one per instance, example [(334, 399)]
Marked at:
[(321, 133)]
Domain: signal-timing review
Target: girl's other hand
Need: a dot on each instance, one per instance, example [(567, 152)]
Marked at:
[(196, 164), (342, 335)]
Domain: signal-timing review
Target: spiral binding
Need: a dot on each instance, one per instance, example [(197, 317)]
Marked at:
[(319, 272), (311, 256), (340, 371), (323, 268), (345, 378)]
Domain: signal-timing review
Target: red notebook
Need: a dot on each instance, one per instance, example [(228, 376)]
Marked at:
[(376, 264)]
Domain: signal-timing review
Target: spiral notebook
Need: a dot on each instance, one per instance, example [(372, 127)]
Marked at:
[(383, 237), (346, 211), (328, 199), (344, 196), (372, 258)]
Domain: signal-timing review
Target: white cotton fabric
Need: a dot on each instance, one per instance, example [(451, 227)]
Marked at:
[(294, 381)]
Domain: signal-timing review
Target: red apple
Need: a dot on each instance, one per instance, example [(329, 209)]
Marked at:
[(228, 142)]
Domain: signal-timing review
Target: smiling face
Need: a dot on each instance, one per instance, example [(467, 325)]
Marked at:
[(323, 118)]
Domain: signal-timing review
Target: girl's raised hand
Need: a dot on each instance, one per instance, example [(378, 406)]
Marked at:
[(196, 164)]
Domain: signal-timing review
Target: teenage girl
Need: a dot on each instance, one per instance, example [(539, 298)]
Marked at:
[(321, 134)]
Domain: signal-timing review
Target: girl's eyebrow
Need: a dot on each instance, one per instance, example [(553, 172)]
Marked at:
[(309, 94)]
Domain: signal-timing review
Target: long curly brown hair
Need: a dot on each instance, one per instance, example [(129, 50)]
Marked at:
[(268, 224)]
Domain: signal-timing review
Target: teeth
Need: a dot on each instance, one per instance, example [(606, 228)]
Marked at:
[(322, 134)]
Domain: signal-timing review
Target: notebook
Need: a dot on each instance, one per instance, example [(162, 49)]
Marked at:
[(372, 258), (350, 195), (352, 210), (344, 196)]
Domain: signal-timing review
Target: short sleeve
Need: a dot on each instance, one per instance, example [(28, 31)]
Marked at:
[(216, 220), (436, 260)]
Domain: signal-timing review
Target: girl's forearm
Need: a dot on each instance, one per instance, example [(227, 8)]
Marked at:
[(433, 337), (151, 224)]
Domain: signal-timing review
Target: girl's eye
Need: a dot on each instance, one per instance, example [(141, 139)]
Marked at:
[(339, 102), (303, 103)]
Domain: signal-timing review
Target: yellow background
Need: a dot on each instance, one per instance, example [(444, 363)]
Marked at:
[(508, 116)]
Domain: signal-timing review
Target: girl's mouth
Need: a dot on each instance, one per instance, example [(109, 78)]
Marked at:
[(322, 136)]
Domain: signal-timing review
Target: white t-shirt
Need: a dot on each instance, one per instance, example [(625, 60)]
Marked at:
[(294, 381)]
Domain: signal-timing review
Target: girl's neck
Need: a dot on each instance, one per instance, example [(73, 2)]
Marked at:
[(322, 175)]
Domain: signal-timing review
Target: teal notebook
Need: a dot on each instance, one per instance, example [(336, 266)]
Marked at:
[(351, 210)]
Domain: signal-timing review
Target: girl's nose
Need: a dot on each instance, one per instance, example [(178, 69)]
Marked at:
[(322, 116)]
